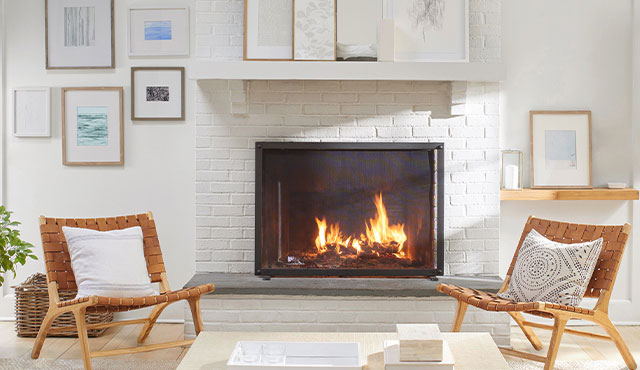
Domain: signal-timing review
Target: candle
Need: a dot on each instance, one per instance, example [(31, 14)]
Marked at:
[(386, 50), (511, 178)]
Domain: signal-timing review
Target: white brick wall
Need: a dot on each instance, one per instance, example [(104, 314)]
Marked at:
[(339, 314), (219, 30), (233, 115)]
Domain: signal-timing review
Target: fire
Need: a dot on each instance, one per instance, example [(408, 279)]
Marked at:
[(379, 238)]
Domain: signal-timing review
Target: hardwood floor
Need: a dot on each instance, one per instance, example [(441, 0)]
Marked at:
[(572, 348)]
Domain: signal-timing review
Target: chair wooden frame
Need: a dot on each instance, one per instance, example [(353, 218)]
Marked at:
[(600, 286), (60, 277)]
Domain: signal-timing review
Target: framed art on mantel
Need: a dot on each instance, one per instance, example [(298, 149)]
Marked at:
[(92, 126), (268, 29), (158, 32), (157, 94), (560, 149), (314, 30), (79, 34), (430, 30)]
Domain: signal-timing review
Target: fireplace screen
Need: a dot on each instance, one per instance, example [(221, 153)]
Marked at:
[(349, 209)]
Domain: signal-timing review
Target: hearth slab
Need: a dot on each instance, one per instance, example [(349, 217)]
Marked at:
[(249, 284)]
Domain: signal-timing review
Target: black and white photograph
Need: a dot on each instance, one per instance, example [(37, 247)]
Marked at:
[(157, 94)]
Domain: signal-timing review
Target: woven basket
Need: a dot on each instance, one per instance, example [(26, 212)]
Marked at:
[(32, 303)]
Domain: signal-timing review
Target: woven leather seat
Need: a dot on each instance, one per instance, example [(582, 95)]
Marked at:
[(600, 287), (60, 277)]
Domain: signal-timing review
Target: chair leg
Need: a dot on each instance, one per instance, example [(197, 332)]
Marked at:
[(457, 320), (528, 332), (194, 305), (42, 333), (153, 317), (83, 339), (556, 336), (613, 332)]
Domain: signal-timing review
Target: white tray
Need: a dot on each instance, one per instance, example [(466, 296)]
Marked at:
[(305, 356), (392, 359)]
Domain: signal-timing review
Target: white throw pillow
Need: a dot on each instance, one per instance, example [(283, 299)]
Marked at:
[(108, 263), (548, 271)]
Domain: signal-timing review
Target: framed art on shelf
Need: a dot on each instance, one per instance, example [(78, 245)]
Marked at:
[(157, 94), (31, 111), (560, 149), (268, 29), (314, 31), (92, 126), (79, 34), (158, 32), (430, 30)]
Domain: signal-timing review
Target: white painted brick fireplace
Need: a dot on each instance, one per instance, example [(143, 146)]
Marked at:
[(231, 115)]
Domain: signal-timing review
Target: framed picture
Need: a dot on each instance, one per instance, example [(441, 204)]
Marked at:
[(92, 126), (268, 29), (314, 31), (158, 32), (430, 30), (79, 34), (157, 93), (560, 149), (31, 111)]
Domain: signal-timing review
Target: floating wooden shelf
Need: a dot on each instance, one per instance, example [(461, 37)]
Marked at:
[(570, 194)]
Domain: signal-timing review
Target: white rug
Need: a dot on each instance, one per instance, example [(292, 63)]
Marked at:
[(98, 364), (518, 364)]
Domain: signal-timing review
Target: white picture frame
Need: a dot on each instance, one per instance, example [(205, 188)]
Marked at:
[(157, 93), (268, 30), (79, 34), (31, 111), (92, 126), (314, 39), (158, 31), (561, 149), (419, 38)]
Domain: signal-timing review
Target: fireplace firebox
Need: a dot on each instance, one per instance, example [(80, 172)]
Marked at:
[(349, 209)]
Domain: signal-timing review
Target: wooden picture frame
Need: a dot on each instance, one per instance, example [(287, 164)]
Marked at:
[(65, 126), (263, 56), (49, 47), (134, 93), (31, 114), (575, 130), (335, 35)]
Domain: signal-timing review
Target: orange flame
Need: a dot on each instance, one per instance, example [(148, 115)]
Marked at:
[(379, 234)]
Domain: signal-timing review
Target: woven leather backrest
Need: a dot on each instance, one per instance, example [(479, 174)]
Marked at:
[(614, 241), (56, 252)]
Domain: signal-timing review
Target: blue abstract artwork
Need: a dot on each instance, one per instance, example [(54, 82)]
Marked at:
[(560, 149), (93, 127), (157, 30)]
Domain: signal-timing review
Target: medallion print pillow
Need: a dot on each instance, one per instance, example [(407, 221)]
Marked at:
[(548, 271)]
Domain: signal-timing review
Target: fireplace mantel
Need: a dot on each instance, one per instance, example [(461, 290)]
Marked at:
[(393, 71)]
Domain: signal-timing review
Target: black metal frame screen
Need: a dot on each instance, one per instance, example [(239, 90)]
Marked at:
[(268, 240)]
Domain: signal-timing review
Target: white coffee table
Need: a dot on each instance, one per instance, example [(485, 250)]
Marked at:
[(472, 351)]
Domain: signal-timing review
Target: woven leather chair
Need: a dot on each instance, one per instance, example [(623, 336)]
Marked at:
[(600, 286), (60, 277)]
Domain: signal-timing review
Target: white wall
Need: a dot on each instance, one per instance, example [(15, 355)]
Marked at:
[(159, 170), (565, 55)]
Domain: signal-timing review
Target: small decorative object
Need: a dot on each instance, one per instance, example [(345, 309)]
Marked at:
[(560, 149), (249, 355), (92, 126), (356, 41), (13, 250), (32, 111), (79, 34), (392, 359), (430, 30), (268, 33), (314, 31), (386, 51), (157, 93), (158, 31), (419, 342), (32, 303), (616, 185), (512, 165)]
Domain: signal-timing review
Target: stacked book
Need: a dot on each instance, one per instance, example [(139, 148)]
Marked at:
[(419, 347)]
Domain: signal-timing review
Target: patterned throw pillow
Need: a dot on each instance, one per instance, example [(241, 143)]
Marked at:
[(548, 271)]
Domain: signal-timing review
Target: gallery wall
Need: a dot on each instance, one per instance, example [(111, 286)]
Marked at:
[(159, 166)]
